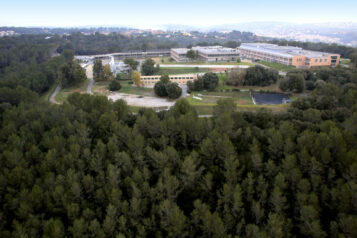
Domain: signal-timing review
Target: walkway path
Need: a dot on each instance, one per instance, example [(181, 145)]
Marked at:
[(184, 91), (89, 73), (52, 98), (90, 85)]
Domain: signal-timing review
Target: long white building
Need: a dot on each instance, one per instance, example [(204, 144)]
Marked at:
[(206, 53), (288, 55)]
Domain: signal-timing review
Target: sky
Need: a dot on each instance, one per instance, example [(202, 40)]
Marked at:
[(153, 13)]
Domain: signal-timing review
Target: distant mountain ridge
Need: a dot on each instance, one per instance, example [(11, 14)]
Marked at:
[(330, 32), (344, 33)]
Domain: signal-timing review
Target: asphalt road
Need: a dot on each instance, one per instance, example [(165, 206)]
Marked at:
[(184, 91), (90, 85)]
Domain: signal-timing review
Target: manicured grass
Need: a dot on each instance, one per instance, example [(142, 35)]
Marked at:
[(188, 70), (101, 88), (65, 92), (279, 67), (132, 89), (242, 99), (254, 108), (345, 61), (166, 60), (204, 109), (211, 98), (208, 109)]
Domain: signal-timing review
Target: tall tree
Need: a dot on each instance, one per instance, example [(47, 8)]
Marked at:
[(191, 54), (97, 70), (148, 67), (71, 74), (135, 77), (132, 63)]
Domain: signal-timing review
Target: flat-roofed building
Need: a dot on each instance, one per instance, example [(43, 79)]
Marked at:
[(180, 79), (206, 53), (288, 55), (179, 54), (216, 53)]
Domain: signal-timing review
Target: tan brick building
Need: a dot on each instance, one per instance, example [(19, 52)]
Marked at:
[(180, 79), (288, 55)]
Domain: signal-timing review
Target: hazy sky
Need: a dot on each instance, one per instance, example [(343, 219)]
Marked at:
[(151, 13)]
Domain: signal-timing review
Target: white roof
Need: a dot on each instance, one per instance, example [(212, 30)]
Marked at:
[(180, 50), (284, 51)]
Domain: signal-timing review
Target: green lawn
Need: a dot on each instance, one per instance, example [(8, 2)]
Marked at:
[(211, 98), (185, 70), (208, 109), (204, 109), (279, 67), (63, 94), (345, 61), (166, 60), (101, 88), (131, 89)]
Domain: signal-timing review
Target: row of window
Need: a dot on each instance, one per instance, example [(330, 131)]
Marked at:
[(317, 60), (176, 81), (259, 54), (171, 78)]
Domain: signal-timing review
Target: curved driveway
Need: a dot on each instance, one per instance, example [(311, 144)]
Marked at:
[(52, 98)]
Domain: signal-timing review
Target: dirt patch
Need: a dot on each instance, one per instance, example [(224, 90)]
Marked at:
[(217, 69), (141, 101), (242, 102)]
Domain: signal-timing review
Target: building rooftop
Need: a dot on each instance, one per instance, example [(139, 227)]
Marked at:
[(180, 50), (284, 51), (215, 49)]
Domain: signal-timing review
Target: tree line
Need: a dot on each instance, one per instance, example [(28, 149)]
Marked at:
[(29, 67), (91, 168)]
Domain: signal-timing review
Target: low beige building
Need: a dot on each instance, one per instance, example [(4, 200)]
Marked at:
[(179, 54), (206, 53), (288, 55), (180, 79)]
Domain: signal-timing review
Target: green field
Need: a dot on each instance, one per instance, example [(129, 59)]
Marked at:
[(279, 67), (240, 95), (101, 88), (166, 60), (345, 61), (185, 70), (208, 109), (65, 92), (131, 89)]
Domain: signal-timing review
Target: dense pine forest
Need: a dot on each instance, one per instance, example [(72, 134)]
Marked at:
[(91, 168)]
